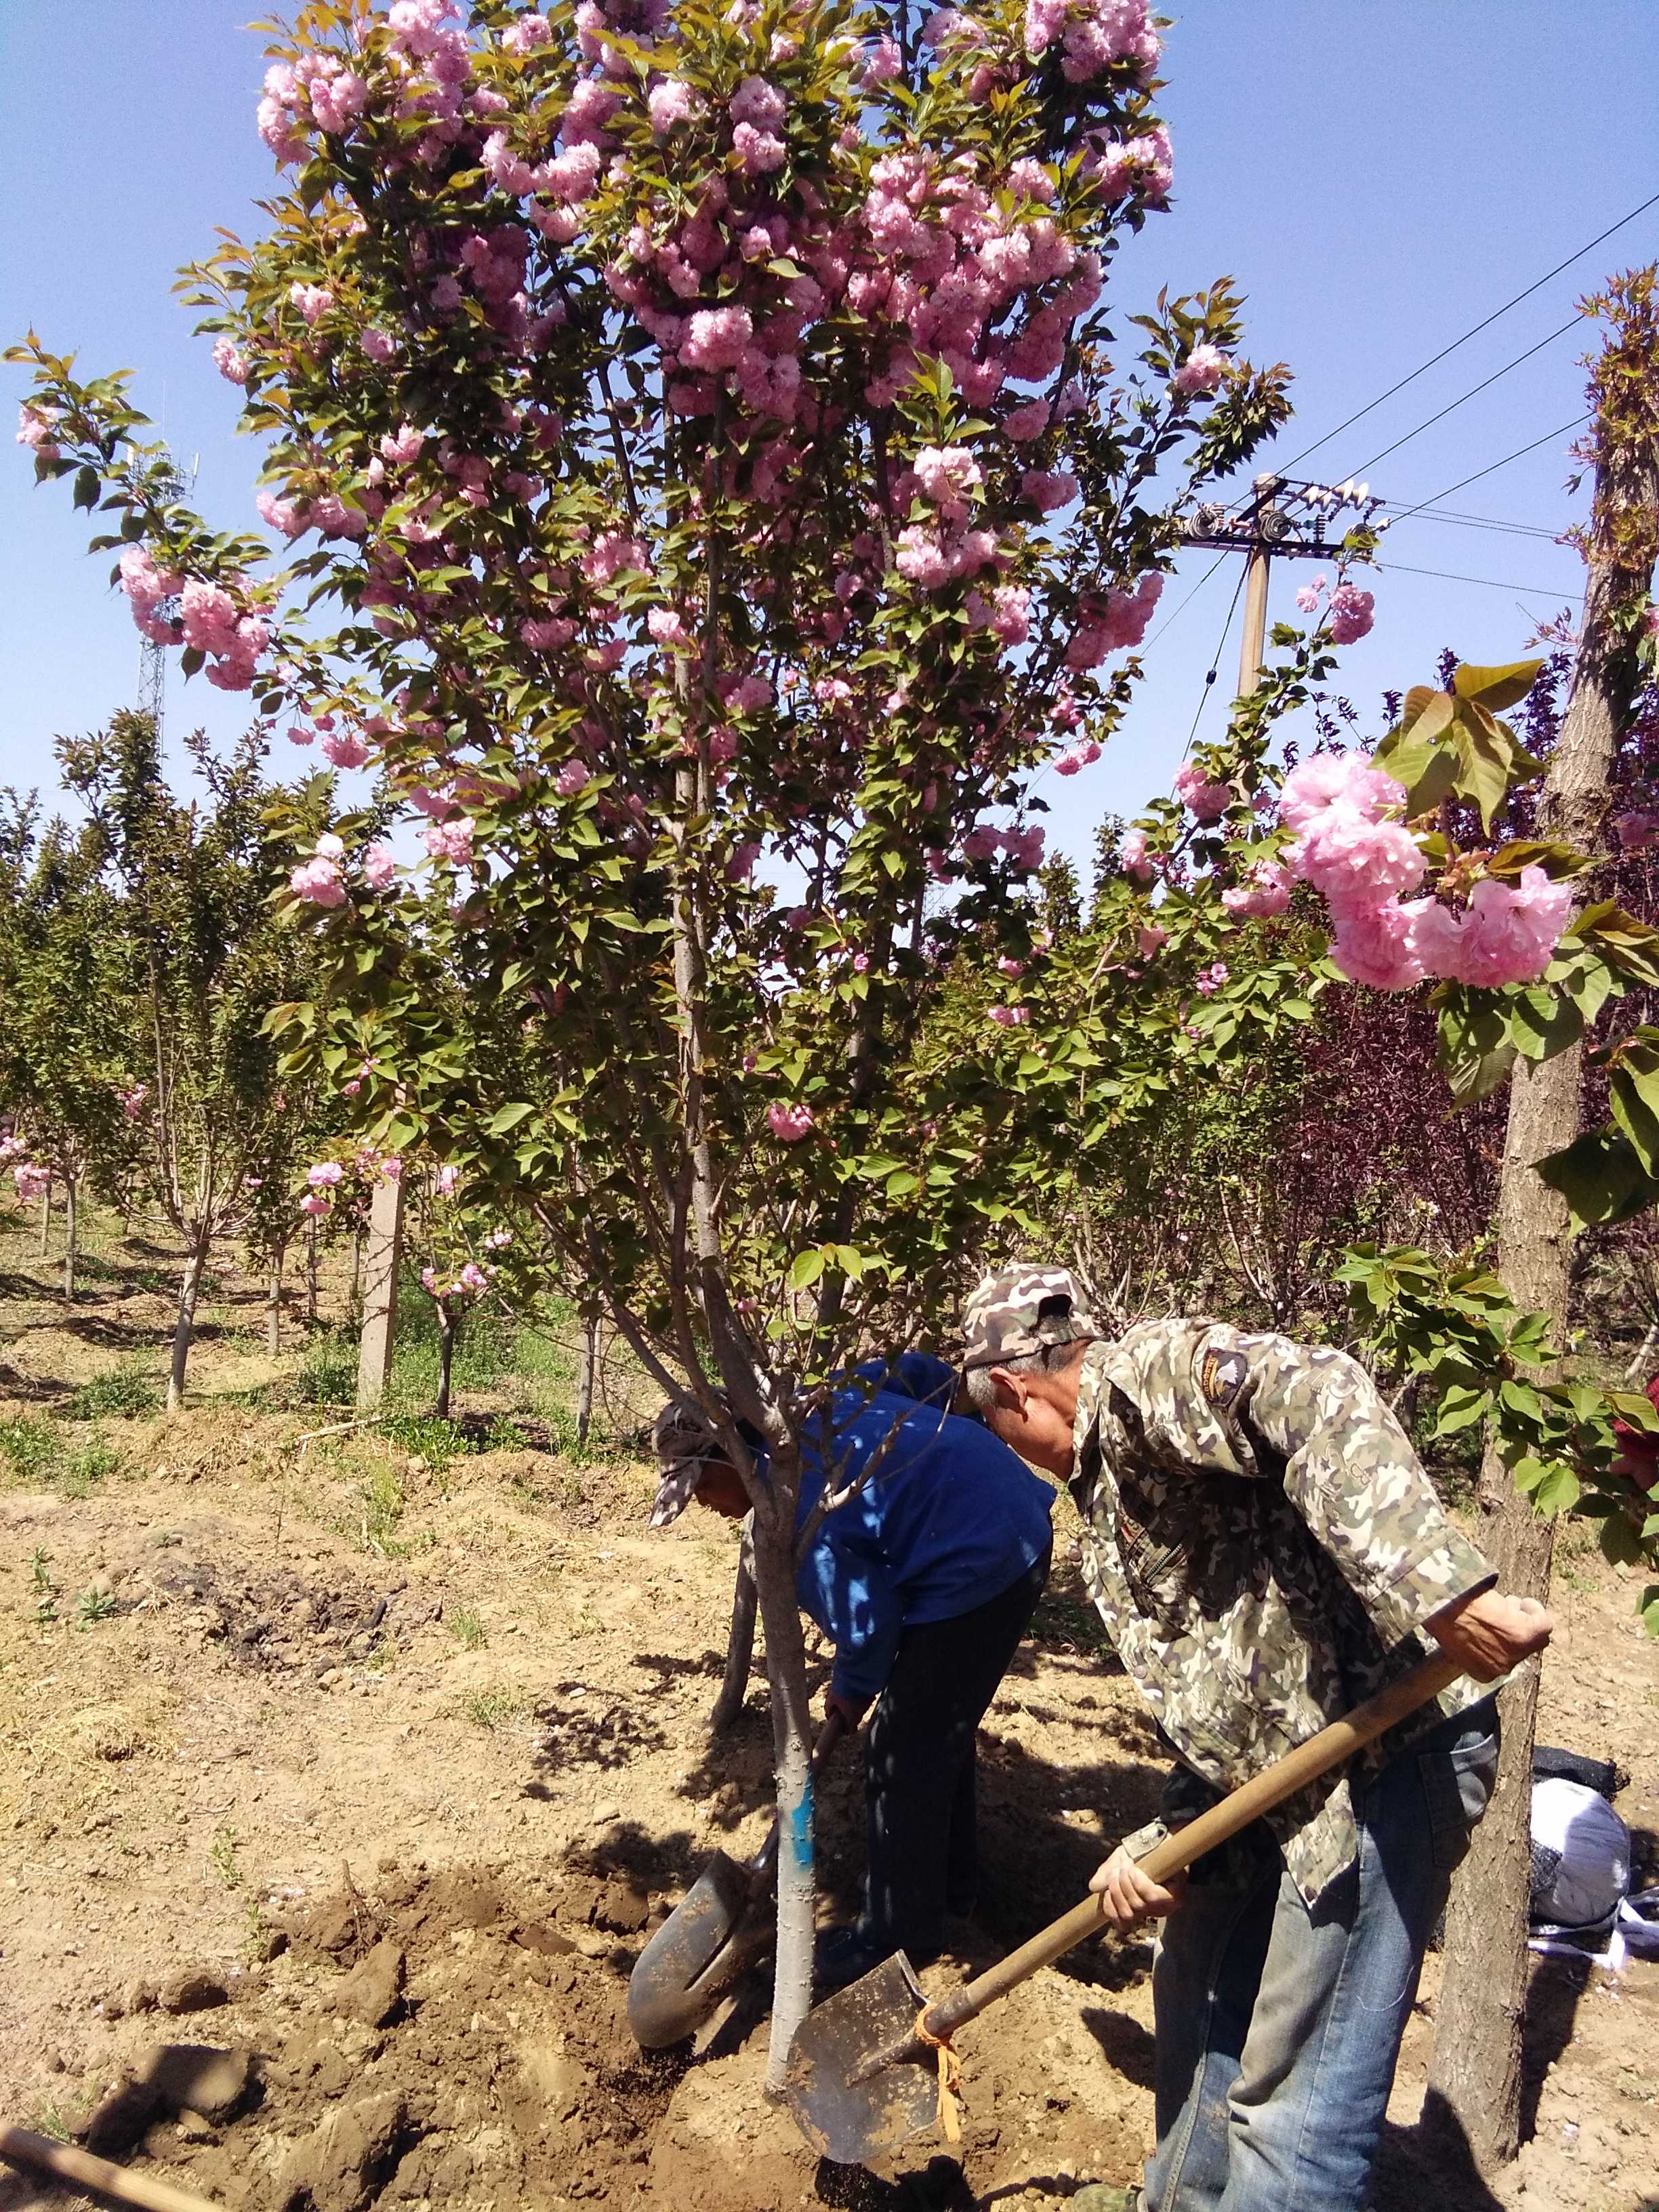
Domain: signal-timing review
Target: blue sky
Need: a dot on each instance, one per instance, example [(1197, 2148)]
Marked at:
[(1375, 176)]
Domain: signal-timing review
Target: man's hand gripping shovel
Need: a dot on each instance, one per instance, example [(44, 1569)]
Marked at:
[(873, 2065)]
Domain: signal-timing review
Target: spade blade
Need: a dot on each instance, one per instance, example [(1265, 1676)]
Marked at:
[(853, 2122), (716, 1930)]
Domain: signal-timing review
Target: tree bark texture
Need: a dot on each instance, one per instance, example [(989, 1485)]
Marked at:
[(446, 1335), (274, 1307), (791, 1752), (739, 1644), (1477, 2074), (71, 1225), (585, 1372), (381, 1265), (183, 1328), (45, 1218)]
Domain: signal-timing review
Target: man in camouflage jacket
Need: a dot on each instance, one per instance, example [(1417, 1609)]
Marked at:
[(1265, 1552)]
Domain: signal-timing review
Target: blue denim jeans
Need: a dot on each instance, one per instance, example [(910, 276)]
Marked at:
[(1279, 2025)]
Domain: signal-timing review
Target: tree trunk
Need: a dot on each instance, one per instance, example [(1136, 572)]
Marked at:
[(354, 1294), (448, 1330), (792, 1753), (185, 1325), (69, 1224), (311, 1271), (274, 1304), (739, 1644), (585, 1372), (45, 1218), (380, 1323), (1478, 2054)]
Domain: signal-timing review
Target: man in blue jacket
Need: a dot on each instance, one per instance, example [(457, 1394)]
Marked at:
[(925, 1581)]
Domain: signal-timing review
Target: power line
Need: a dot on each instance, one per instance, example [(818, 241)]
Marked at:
[(1474, 393), (1542, 590), (1434, 359), (1488, 522), (1186, 603), (1548, 438), (1215, 660)]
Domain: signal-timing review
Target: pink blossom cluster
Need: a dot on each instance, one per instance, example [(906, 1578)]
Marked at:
[(1009, 1017), (470, 1282), (132, 1101), (1023, 847), (1110, 624), (1264, 892), (1140, 167), (37, 428), (1202, 370), (1362, 863), (210, 620), (344, 748), (1095, 35), (32, 1182), (1077, 757), (1350, 614), (451, 840), (320, 881), (1135, 859), (380, 867), (146, 586), (1151, 937), (1205, 801), (318, 92), (1210, 979), (230, 361), (789, 1124)]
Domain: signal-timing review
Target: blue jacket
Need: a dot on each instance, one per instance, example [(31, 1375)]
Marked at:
[(948, 1521)]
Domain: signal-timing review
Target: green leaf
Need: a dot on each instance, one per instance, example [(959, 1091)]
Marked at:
[(1601, 1177), (1483, 755), (1544, 1022), (804, 1270), (1633, 1099), (1461, 1407), (1559, 1491), (508, 1119), (1496, 687)]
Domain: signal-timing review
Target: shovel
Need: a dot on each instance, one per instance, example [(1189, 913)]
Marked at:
[(866, 2070), (716, 1932)]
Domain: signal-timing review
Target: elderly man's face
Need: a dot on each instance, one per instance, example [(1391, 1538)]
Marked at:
[(1034, 1412)]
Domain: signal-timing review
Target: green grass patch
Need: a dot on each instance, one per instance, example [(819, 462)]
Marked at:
[(32, 1449), (495, 1707), (127, 1393), (468, 1630)]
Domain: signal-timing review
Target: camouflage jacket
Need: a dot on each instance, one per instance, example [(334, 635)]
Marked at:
[(1264, 1548)]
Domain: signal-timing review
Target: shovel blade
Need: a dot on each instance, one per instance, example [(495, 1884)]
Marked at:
[(717, 1928), (853, 2122)]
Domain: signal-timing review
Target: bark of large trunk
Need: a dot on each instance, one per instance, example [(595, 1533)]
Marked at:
[(1476, 2079), (739, 1647), (71, 1223), (185, 1325)]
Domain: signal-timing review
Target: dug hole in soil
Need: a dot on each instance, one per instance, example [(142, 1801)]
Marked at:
[(381, 1806)]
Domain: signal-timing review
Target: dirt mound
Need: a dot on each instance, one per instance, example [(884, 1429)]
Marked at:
[(459, 2038)]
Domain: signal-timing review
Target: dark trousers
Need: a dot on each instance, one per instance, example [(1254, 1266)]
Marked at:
[(919, 1768)]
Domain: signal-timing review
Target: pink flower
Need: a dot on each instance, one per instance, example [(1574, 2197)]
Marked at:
[(391, 1169), (313, 301), (1264, 892), (450, 841), (1049, 489), (717, 338), (1376, 942), (741, 866), (572, 778), (145, 585), (1344, 782), (1351, 860), (299, 736), (1352, 612), (132, 1101), (1149, 937), (669, 103), (666, 627), (35, 429), (529, 32), (882, 63), (1013, 970), (758, 102), (318, 882), (1507, 935), (229, 360), (288, 515), (548, 635), (759, 151), (403, 445), (380, 867), (315, 1204), (946, 475), (324, 1175), (1107, 625), (32, 1182), (1202, 370), (789, 1123), (1308, 597), (1636, 832), (379, 345), (1204, 800), (1009, 1017), (445, 1180), (1134, 856), (344, 749)]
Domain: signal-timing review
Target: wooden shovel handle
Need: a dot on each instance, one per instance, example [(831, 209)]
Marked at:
[(20, 2147), (1329, 1748)]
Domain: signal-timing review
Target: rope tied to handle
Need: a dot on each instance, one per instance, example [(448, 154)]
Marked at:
[(950, 2077)]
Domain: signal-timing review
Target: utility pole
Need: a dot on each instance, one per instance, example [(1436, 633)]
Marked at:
[(1284, 516)]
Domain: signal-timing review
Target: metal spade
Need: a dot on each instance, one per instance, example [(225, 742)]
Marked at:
[(862, 2079), (723, 1924)]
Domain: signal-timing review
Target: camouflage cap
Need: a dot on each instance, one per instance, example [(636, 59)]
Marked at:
[(1011, 1315)]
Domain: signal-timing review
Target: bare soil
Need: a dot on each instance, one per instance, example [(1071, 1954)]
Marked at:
[(380, 1770)]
